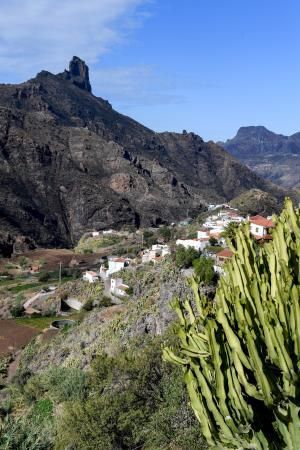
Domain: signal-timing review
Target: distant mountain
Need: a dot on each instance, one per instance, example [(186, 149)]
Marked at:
[(270, 155), (70, 163)]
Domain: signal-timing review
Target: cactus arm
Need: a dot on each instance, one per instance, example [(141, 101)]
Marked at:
[(232, 339), (198, 407)]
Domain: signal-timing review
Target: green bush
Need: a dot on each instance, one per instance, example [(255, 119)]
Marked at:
[(165, 233), (57, 384), (135, 401), (129, 291), (105, 301), (43, 277), (213, 241), (17, 310), (204, 269), (89, 305), (23, 262), (184, 257)]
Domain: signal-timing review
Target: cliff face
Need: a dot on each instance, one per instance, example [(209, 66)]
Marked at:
[(270, 155), (70, 163)]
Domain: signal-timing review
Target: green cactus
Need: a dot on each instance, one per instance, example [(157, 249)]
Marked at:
[(242, 363)]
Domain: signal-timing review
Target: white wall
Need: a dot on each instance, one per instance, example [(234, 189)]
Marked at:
[(257, 230)]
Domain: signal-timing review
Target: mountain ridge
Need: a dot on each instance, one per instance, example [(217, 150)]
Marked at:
[(271, 155), (71, 163)]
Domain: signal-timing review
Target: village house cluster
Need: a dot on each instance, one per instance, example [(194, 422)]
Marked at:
[(114, 265), (211, 231), (214, 227)]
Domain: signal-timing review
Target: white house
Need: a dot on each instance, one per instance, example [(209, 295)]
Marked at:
[(157, 251), (95, 233), (260, 226), (197, 244), (90, 276), (203, 234), (105, 232), (148, 255), (118, 288), (215, 232), (116, 264)]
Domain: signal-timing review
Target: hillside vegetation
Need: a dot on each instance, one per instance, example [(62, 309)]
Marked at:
[(102, 383)]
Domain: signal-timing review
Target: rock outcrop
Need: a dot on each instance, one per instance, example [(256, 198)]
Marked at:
[(78, 74), (69, 163)]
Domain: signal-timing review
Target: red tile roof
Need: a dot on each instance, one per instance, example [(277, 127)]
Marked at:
[(262, 221), (226, 253)]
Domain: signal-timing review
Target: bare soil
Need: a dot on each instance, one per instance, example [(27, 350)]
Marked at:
[(14, 337)]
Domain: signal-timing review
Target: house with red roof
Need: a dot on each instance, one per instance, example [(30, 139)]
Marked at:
[(221, 258), (115, 264), (260, 227), (90, 276)]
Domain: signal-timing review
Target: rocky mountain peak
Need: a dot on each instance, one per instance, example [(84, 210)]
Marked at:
[(78, 73)]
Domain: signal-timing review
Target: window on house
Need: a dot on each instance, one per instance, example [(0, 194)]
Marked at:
[(256, 230)]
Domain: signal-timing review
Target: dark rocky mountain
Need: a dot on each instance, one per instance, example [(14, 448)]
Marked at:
[(273, 156), (70, 163)]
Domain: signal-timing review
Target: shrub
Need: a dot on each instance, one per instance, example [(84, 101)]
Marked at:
[(17, 310), (105, 301), (76, 274), (89, 304), (43, 277), (129, 291), (213, 241), (87, 251), (59, 384), (130, 394), (165, 233), (184, 257), (23, 262), (204, 269)]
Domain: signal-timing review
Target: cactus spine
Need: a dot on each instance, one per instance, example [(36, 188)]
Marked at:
[(242, 362)]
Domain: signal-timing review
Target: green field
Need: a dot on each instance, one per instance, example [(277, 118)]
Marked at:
[(24, 287), (39, 323)]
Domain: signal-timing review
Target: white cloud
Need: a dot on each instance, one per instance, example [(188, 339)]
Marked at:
[(45, 34), (40, 35), (134, 86)]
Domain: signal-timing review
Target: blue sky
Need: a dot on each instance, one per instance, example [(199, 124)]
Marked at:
[(206, 66)]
